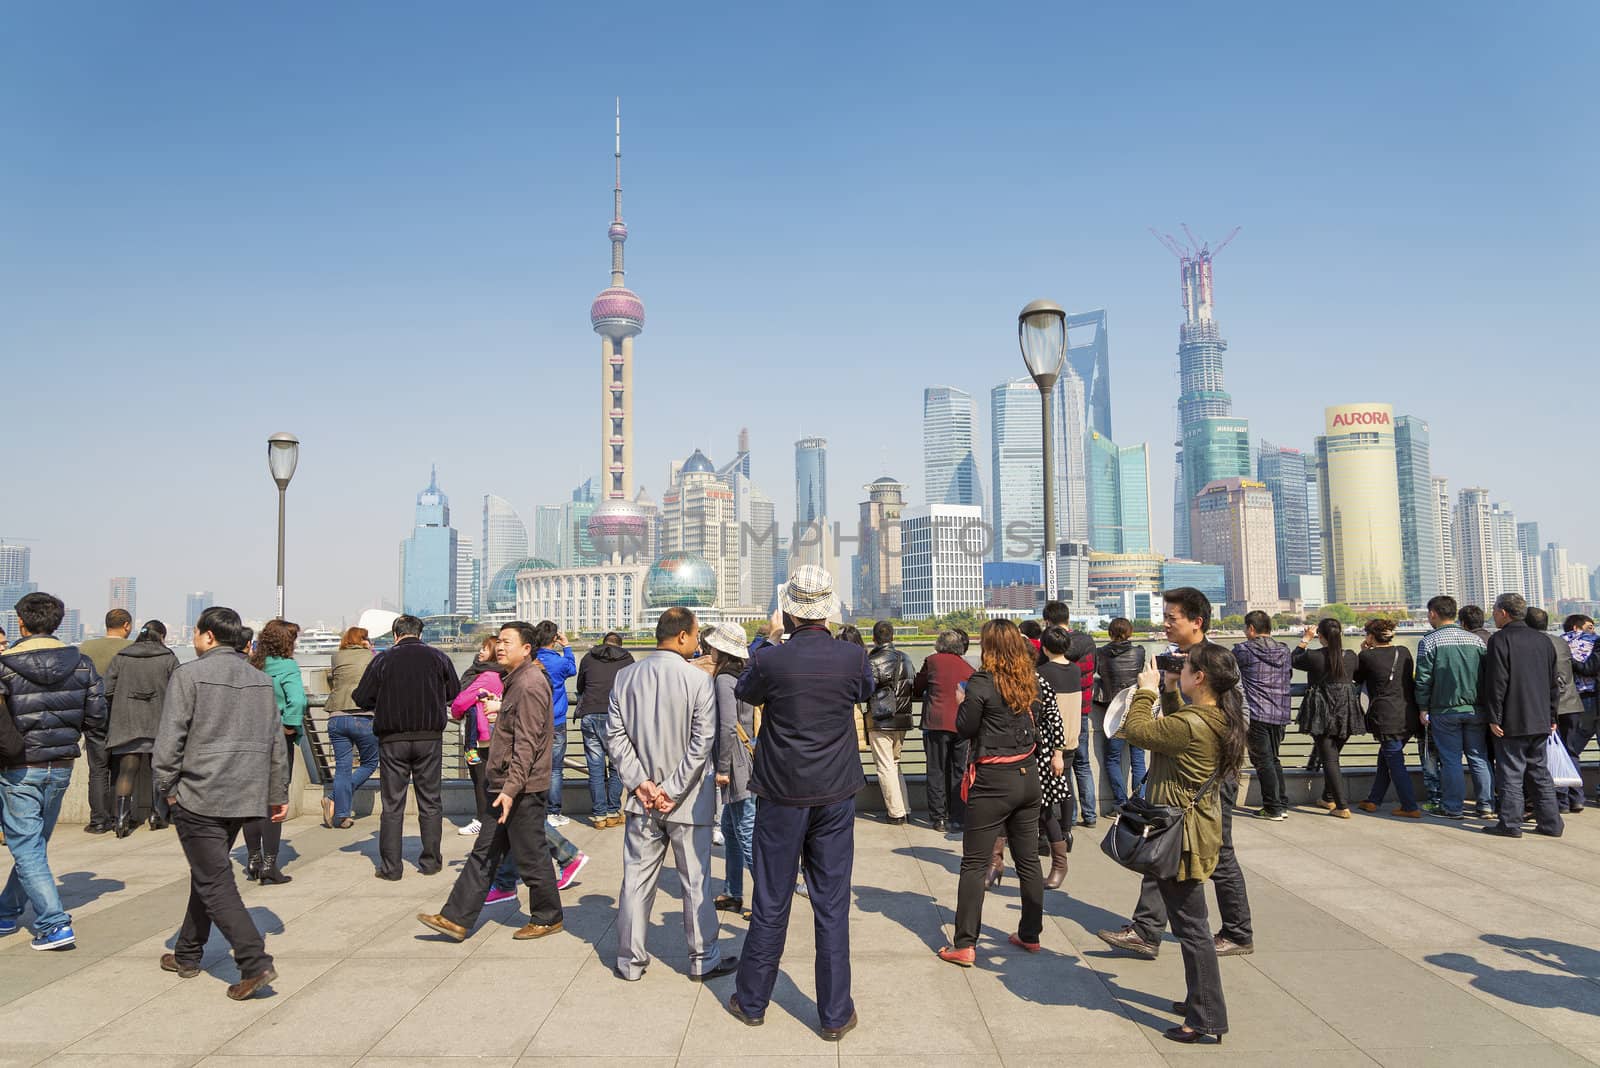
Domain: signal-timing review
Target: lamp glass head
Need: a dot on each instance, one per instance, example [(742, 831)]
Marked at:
[(283, 455), (1042, 334)]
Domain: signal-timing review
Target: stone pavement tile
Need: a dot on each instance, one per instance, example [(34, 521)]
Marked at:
[(135, 1060), (194, 1016), (601, 1062), (938, 1060), (271, 1060), (905, 921), (1387, 863), (19, 975), (1037, 1003), (1044, 1057), (1392, 919), (338, 927), (53, 1017), (943, 993), (1588, 1052), (338, 1014), (1369, 996), (587, 921), (1526, 983), (1177, 1055), (406, 938), (1548, 1056), (459, 1017), (1493, 911), (736, 1060), (1302, 869), (436, 1062), (647, 1018), (790, 1029)]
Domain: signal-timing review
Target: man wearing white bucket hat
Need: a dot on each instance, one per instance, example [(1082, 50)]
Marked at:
[(807, 773)]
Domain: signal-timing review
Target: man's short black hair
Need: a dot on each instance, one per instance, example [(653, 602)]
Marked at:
[(1444, 606), (673, 622), (1538, 618), (40, 612), (1471, 617), (526, 631), (118, 618), (882, 632), (545, 633), (1258, 621), (1576, 621), (223, 624), (1056, 641), (1031, 629), (1056, 613), (1195, 606), (1512, 604), (406, 627), (611, 638)]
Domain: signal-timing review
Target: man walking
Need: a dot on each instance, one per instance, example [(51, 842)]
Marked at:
[(1264, 672), (102, 787), (519, 776), (51, 695), (409, 690), (662, 732), (1521, 692), (1448, 685), (220, 762), (889, 717), (807, 775), (596, 676)]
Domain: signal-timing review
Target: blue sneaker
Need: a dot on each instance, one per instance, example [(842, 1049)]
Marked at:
[(8, 927), (60, 938)]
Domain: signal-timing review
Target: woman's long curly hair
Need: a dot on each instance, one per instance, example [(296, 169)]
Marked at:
[(277, 638), (1009, 659)]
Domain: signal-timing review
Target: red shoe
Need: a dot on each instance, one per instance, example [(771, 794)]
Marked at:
[(571, 870), (1031, 947), (964, 958), (494, 897)]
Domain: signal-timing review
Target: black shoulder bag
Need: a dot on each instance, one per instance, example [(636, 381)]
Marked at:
[(1148, 838)]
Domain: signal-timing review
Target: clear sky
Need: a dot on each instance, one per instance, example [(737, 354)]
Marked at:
[(380, 226)]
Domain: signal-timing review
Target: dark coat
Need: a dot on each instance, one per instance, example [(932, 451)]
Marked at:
[(53, 695), (136, 690), (889, 708), (1265, 673), (1387, 674), (409, 689), (1116, 667), (938, 684), (810, 685), (596, 675), (999, 731), (1519, 680)]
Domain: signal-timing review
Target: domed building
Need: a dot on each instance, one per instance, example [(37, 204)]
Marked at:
[(680, 580), (500, 596)]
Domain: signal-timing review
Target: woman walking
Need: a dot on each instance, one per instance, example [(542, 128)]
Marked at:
[(1385, 669), (136, 689), (1003, 713), (1193, 748), (736, 726), (1331, 710), (274, 655), (349, 728), (1065, 683)]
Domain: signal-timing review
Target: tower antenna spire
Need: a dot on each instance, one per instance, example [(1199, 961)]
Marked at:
[(617, 217)]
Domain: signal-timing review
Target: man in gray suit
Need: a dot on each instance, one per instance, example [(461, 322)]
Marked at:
[(661, 731)]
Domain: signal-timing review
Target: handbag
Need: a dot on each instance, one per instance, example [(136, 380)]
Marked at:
[(1148, 838), (1563, 772)]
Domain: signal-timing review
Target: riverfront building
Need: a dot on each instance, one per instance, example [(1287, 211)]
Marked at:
[(1356, 466), (585, 600), (942, 569), (193, 605), (1017, 471), (1476, 560), (469, 580), (1419, 536), (698, 517), (1112, 575), (547, 531), (125, 594), (1209, 579), (1283, 471), (1444, 538), (877, 577), (428, 561), (1118, 495), (1232, 525)]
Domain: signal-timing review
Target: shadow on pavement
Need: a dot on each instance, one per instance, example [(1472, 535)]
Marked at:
[(78, 888), (1540, 990), (1578, 960)]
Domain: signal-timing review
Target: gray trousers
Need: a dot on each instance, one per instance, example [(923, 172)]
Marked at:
[(644, 847)]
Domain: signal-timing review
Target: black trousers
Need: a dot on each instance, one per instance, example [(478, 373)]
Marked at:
[(947, 762), (1523, 755), (1576, 731), (102, 783), (1328, 749), (1265, 740), (213, 895), (1186, 903), (479, 774), (1233, 900), (417, 764), (1003, 800), (522, 836)]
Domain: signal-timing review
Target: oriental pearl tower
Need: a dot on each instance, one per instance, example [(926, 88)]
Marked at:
[(619, 528)]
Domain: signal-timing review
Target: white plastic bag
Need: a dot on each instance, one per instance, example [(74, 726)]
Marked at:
[(1562, 770)]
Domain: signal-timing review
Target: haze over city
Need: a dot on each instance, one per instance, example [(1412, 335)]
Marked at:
[(381, 229)]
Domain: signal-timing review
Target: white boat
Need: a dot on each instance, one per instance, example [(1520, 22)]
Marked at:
[(317, 643)]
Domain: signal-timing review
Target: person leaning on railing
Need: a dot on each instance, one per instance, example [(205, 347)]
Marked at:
[(349, 728)]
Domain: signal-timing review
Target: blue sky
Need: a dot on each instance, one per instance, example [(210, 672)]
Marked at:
[(380, 226)]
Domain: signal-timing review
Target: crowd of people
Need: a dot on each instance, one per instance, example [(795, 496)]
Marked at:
[(756, 747)]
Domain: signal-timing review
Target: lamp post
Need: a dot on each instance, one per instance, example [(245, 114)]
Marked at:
[(283, 455), (1042, 335)]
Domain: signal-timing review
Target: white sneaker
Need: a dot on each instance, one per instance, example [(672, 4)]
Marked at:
[(556, 819), (470, 830), (716, 836)]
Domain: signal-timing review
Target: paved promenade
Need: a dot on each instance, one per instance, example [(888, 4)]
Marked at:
[(1378, 941)]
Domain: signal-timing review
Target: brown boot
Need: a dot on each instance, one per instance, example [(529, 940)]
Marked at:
[(997, 863), (1058, 866)]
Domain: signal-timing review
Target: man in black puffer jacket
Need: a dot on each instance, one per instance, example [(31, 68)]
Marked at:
[(597, 674), (53, 695)]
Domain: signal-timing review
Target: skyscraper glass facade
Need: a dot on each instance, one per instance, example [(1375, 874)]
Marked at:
[(1089, 355), (1361, 507), (505, 538), (810, 480), (1071, 459), (1118, 496), (949, 434), (1017, 470), (1419, 520), (428, 565), (1283, 471)]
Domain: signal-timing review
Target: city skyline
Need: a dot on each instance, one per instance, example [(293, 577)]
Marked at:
[(369, 241)]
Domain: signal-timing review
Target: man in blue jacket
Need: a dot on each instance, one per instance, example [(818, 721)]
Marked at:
[(807, 772), (555, 654)]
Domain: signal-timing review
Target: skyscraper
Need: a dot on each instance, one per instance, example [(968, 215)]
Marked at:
[(1508, 554), (1091, 360), (1016, 471), (1418, 509), (1283, 471), (1232, 525), (942, 569), (877, 579), (1072, 461), (1118, 486), (760, 550), (1476, 560), (505, 538), (1448, 581), (810, 480), (547, 532), (468, 582), (193, 605), (1314, 512), (1213, 443), (14, 564), (428, 567), (615, 528), (125, 594), (577, 546), (698, 516), (1528, 545), (1361, 555), (949, 431)]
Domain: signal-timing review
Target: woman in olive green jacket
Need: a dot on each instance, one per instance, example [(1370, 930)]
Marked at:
[(1192, 749)]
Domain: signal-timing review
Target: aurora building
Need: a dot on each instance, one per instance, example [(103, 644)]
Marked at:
[(1359, 483)]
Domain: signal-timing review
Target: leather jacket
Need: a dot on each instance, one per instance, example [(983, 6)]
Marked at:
[(889, 708)]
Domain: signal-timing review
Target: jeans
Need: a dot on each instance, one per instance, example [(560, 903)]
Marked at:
[(30, 801), (946, 753), (1265, 740), (738, 831), (351, 735), (1580, 729), (1205, 1009), (1454, 735), (1428, 757), (1233, 898), (1392, 768), (558, 757), (1111, 750), (419, 764), (605, 787), (214, 895), (1083, 771)]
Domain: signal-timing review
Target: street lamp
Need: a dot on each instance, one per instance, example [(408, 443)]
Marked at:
[(283, 455), (1042, 335)]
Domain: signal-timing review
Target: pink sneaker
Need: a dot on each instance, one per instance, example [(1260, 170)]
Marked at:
[(494, 897), (571, 870)]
